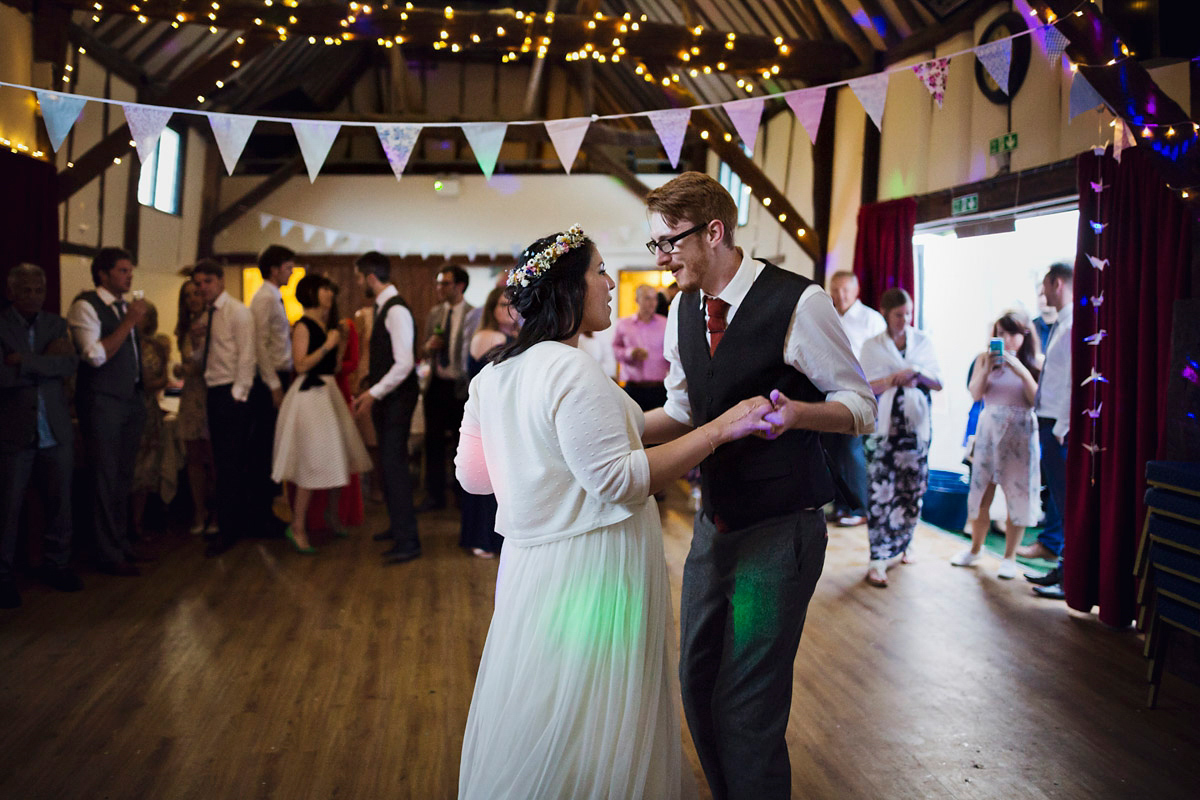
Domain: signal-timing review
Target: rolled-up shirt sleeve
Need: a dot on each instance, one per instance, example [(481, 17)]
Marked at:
[(677, 407), (817, 345), (85, 333), (595, 439), (400, 327), (243, 329)]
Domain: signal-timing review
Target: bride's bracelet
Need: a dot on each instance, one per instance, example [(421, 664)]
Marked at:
[(711, 448)]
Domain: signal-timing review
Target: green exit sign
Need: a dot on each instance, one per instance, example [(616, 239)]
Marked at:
[(1002, 144), (967, 204)]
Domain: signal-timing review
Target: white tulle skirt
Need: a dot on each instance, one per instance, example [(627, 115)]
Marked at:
[(317, 445), (576, 693)]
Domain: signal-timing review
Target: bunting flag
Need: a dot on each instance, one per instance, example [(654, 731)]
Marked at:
[(996, 58), (933, 74), (285, 226), (331, 236), (1123, 139), (746, 116), (146, 124), (807, 105), (1053, 42), (485, 139), (1084, 96), (398, 142), (264, 220), (231, 131), (59, 112), (308, 231), (871, 91), (567, 135), (315, 139), (671, 125)]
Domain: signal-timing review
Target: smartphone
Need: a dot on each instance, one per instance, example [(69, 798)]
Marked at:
[(996, 351)]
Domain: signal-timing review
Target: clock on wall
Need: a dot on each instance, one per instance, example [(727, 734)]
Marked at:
[(1005, 25)]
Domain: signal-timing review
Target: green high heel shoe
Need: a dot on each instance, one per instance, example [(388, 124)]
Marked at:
[(308, 551)]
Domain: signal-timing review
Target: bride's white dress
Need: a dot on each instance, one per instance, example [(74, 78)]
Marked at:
[(576, 692)]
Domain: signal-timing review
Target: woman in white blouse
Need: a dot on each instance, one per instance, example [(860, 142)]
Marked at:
[(902, 369), (575, 695)]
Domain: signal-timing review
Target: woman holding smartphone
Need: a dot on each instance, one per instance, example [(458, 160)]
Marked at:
[(1006, 439)]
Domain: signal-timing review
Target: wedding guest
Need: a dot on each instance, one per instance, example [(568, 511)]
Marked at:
[(497, 327), (109, 400), (36, 440), (902, 368), (192, 420), (1006, 450), (147, 467), (317, 445)]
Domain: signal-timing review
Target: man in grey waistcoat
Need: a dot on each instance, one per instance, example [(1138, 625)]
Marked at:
[(36, 439), (108, 400), (743, 327)]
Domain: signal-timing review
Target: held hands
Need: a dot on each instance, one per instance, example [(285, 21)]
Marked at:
[(362, 404), (782, 417), (747, 417)]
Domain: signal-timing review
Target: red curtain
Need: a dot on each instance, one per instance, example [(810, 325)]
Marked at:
[(883, 252), (29, 224), (1147, 241)]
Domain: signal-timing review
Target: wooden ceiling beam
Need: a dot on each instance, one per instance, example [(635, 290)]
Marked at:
[(890, 35), (912, 17), (108, 57), (244, 204), (930, 37), (844, 25)]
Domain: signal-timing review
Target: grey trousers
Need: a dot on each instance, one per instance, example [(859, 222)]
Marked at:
[(745, 597), (112, 431), (50, 468)]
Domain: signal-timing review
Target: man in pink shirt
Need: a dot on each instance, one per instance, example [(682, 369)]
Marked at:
[(638, 346)]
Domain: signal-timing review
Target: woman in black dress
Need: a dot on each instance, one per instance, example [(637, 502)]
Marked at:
[(497, 326)]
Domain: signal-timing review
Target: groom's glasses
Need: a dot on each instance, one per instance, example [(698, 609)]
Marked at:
[(668, 245)]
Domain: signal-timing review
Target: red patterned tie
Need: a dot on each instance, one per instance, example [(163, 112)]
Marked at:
[(716, 321)]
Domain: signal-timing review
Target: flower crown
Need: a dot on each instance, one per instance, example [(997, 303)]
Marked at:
[(535, 267)]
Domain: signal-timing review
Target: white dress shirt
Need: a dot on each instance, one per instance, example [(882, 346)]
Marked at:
[(861, 323), (272, 334), (557, 442), (816, 345), (231, 357), (453, 369), (85, 328), (400, 328), (1054, 386)]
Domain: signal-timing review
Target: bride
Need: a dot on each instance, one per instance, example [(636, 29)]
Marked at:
[(575, 695)]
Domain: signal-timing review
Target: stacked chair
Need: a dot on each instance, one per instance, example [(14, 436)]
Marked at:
[(1168, 561)]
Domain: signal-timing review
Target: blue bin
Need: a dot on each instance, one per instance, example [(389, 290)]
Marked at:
[(946, 500)]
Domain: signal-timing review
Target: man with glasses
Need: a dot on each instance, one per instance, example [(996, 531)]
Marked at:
[(447, 390), (743, 327)]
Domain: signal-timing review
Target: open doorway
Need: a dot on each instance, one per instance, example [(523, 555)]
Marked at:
[(963, 286)]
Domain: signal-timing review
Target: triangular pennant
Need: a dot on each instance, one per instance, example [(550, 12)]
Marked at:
[(1053, 42), (566, 135), (231, 132), (315, 139), (378, 244), (146, 124), (871, 91), (807, 105), (1123, 139), (264, 220), (1084, 96), (996, 58), (671, 124), (746, 116), (331, 236), (59, 112), (933, 74), (285, 226), (485, 139), (398, 142), (308, 231)]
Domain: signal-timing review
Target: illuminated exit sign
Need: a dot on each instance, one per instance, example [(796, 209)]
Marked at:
[(1002, 144)]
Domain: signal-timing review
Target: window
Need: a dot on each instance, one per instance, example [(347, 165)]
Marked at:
[(162, 174), (738, 190)]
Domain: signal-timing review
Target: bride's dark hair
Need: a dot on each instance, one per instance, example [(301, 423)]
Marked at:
[(551, 306)]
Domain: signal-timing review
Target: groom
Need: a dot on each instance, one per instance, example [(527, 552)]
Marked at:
[(739, 328)]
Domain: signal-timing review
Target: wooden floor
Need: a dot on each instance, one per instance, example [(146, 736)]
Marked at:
[(267, 674)]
